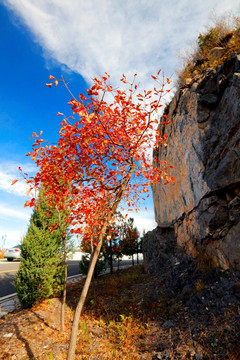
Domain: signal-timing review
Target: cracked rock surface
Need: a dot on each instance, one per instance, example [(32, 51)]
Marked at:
[(203, 206)]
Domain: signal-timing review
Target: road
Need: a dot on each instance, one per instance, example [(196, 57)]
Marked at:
[(8, 271)]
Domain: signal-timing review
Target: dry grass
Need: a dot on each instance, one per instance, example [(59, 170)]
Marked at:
[(212, 48)]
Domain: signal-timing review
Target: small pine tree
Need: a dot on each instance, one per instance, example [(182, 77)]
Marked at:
[(85, 262), (41, 271)]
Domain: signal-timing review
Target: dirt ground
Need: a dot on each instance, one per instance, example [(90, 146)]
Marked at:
[(124, 319)]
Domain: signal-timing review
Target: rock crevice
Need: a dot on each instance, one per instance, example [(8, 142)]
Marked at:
[(202, 209)]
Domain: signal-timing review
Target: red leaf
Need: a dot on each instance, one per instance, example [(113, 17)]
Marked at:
[(27, 203)]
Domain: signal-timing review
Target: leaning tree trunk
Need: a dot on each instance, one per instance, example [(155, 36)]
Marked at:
[(64, 284), (78, 311), (63, 236), (111, 258)]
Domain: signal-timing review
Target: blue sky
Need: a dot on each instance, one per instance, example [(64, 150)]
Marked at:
[(79, 39)]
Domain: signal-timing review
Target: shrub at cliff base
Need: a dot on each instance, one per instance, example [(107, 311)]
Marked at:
[(41, 271)]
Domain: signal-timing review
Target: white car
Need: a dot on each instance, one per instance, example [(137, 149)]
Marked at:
[(13, 253)]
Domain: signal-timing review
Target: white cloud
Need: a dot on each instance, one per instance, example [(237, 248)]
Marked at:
[(128, 36), (8, 173), (143, 220), (6, 212), (13, 237)]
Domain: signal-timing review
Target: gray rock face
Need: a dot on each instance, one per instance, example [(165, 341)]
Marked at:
[(203, 206), (158, 248)]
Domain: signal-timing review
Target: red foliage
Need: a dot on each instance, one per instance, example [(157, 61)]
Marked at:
[(93, 164)]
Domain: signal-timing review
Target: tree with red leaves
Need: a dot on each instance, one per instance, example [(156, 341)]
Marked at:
[(102, 159)]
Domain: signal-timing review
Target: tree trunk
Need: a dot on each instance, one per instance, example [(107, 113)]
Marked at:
[(111, 258), (132, 259), (93, 247), (95, 273), (78, 311), (63, 236), (64, 284)]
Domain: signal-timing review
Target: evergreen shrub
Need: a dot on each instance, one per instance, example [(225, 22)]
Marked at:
[(85, 262), (41, 271)]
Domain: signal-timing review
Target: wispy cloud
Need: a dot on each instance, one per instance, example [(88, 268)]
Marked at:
[(6, 212), (143, 220), (8, 173), (13, 237), (14, 222), (91, 37)]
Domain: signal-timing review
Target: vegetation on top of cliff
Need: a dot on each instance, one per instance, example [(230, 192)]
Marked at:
[(212, 48)]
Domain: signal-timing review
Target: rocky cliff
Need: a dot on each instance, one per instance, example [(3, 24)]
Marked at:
[(202, 209)]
